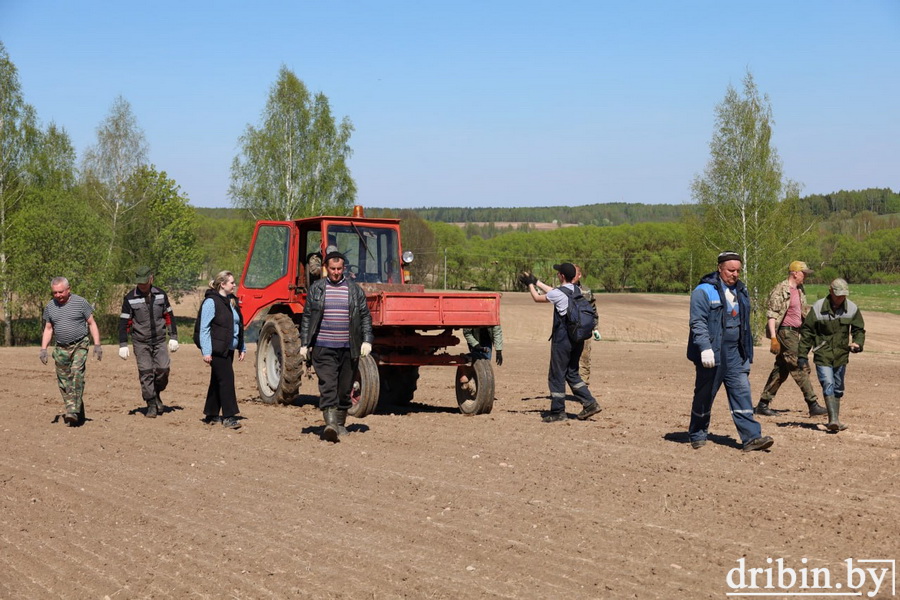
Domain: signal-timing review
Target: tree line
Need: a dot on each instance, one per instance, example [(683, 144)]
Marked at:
[(97, 219)]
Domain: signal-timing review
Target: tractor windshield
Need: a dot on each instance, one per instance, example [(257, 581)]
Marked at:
[(373, 253)]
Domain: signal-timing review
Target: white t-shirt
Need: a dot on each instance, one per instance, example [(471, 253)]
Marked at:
[(559, 299)]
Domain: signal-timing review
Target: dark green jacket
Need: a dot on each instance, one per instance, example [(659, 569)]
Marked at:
[(828, 332)]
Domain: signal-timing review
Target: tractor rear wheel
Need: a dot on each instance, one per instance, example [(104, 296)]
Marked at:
[(475, 395), (364, 395), (398, 383), (278, 364)]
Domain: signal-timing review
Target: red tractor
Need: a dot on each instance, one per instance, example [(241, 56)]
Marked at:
[(412, 327)]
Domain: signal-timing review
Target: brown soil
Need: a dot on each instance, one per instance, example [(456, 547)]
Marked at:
[(422, 502)]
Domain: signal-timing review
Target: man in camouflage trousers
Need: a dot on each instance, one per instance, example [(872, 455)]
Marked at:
[(70, 319), (786, 310), (584, 363)]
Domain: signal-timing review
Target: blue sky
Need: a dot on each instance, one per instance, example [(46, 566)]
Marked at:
[(479, 103)]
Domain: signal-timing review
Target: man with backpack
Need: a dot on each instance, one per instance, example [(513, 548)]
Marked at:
[(574, 321)]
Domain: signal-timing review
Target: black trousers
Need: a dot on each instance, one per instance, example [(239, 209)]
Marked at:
[(221, 394), (335, 370)]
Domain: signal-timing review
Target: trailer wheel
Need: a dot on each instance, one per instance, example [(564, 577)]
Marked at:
[(398, 384), (475, 397), (278, 365), (364, 395)]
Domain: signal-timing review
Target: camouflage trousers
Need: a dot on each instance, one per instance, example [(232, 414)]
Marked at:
[(584, 363), (70, 361), (786, 365)]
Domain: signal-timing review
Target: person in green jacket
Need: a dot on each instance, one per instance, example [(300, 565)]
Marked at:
[(832, 330)]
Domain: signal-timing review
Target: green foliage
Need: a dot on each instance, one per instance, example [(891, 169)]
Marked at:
[(223, 244), (161, 234), (295, 164), (56, 233), (18, 143)]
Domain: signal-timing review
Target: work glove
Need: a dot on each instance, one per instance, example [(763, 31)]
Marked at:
[(304, 352), (365, 349), (43, 355), (775, 346), (123, 352), (708, 358), (499, 357), (596, 335), (173, 345), (526, 278), (802, 362), (98, 352)]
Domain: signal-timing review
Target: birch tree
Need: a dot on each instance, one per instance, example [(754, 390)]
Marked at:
[(745, 203), (294, 164), (120, 151), (18, 140)]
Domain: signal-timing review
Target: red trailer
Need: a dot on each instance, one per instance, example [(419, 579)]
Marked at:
[(412, 327)]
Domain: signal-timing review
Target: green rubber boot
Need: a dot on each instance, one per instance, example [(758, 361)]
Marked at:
[(833, 406)]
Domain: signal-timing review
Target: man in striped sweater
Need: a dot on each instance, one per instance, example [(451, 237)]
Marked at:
[(70, 319), (336, 331)]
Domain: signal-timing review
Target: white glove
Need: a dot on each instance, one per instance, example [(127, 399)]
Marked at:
[(173, 345), (708, 358), (596, 334), (365, 349), (304, 352), (123, 352)]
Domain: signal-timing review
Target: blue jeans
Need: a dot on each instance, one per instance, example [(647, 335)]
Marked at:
[(480, 355), (832, 379), (734, 372)]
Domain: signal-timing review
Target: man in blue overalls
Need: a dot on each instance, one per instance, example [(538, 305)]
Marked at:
[(721, 347)]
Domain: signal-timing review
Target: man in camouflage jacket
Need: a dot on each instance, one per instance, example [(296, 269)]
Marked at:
[(785, 312)]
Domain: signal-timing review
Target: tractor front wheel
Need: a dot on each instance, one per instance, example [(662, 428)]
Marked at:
[(278, 365)]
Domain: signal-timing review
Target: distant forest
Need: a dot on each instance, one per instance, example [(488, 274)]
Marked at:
[(878, 201)]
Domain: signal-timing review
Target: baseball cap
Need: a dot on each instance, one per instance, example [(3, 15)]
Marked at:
[(799, 265), (729, 255), (567, 269), (839, 287), (143, 275)]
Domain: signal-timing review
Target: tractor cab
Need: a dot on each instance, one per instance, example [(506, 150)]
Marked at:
[(286, 257)]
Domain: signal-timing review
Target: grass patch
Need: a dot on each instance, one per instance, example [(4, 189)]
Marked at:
[(877, 297)]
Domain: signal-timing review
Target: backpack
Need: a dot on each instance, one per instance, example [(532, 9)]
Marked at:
[(197, 326), (581, 317)]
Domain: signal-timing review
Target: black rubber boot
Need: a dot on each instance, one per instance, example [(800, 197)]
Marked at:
[(815, 409), (763, 409), (160, 407), (151, 409), (833, 406), (341, 422), (330, 433)]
